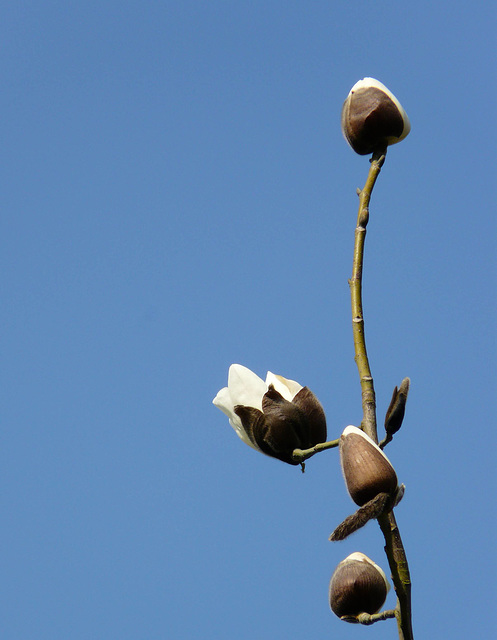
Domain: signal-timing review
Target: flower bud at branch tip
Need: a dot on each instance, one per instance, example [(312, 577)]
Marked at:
[(373, 118)]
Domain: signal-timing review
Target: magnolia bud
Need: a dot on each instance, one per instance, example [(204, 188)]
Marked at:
[(397, 408), (358, 585), (366, 469), (372, 117)]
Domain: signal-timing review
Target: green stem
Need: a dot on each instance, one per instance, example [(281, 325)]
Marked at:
[(355, 283), (366, 618), (394, 548), (399, 568), (299, 455), (386, 440)]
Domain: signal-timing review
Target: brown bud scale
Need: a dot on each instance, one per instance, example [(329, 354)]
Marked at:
[(366, 469), (357, 586)]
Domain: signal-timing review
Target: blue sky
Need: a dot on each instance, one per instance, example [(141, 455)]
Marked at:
[(177, 196)]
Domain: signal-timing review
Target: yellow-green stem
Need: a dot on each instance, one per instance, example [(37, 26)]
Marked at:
[(299, 455), (355, 283), (394, 548), (399, 568), (368, 619)]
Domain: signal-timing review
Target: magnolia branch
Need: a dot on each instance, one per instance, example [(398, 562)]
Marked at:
[(394, 548)]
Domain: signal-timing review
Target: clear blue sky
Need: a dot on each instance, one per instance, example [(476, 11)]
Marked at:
[(177, 196)]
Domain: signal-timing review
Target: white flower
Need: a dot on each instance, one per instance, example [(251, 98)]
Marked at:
[(275, 416)]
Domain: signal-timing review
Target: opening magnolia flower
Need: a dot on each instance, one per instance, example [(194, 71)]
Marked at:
[(372, 117), (274, 416), (358, 585)]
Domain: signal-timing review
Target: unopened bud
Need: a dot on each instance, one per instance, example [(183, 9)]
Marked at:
[(366, 469), (396, 410)]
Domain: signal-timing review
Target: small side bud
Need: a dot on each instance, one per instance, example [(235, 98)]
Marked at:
[(357, 586), (397, 408), (372, 117)]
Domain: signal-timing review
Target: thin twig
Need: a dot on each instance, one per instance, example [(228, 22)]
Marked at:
[(366, 618), (299, 455)]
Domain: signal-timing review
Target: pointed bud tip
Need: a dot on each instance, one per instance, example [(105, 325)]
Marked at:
[(396, 410)]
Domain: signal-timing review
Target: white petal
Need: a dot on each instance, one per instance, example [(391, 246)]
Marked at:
[(287, 388), (224, 402), (370, 82), (241, 433), (245, 387)]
